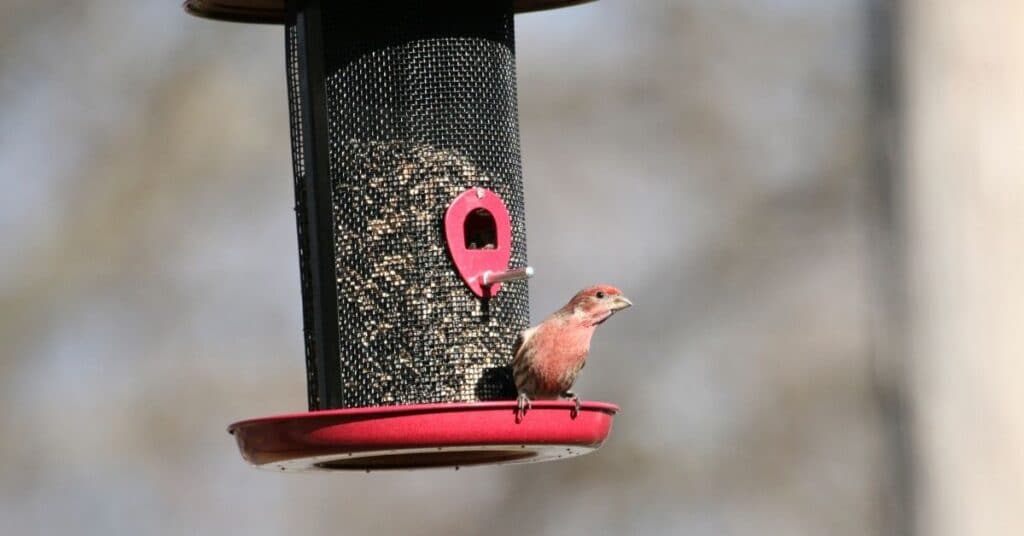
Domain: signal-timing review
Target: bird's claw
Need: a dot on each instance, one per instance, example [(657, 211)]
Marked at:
[(576, 400), (522, 405)]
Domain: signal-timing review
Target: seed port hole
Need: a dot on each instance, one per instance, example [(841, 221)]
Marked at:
[(479, 230)]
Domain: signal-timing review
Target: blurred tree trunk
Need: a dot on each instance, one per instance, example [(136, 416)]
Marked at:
[(964, 172), (886, 225)]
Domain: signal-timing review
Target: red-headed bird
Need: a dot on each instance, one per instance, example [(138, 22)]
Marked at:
[(549, 356)]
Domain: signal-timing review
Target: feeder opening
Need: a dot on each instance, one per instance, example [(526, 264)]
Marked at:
[(480, 231)]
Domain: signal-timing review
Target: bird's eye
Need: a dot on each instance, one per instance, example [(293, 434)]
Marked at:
[(600, 294)]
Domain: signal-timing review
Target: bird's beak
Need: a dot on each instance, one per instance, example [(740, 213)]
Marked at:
[(620, 303)]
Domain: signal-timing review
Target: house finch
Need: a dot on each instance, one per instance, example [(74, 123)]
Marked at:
[(549, 355)]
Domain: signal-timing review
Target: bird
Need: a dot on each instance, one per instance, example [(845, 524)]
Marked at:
[(548, 357)]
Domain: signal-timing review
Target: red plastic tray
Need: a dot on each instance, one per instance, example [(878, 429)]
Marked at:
[(423, 436)]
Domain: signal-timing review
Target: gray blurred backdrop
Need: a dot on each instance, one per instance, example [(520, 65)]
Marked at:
[(717, 160)]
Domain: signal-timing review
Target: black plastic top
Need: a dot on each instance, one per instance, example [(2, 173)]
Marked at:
[(273, 11)]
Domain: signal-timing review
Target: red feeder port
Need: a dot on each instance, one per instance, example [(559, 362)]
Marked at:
[(478, 230), (423, 436)]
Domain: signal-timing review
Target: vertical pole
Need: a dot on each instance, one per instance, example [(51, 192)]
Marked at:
[(965, 178), (886, 226), (317, 204)]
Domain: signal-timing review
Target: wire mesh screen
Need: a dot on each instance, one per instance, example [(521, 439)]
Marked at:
[(295, 113), (419, 105)]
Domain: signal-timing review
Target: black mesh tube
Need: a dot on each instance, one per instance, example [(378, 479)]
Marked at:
[(398, 107)]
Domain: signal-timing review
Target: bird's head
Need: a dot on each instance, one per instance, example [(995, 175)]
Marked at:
[(596, 304)]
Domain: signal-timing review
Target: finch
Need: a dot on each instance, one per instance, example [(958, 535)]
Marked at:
[(549, 356)]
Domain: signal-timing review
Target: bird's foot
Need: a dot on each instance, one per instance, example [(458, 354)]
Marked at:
[(522, 405), (572, 396)]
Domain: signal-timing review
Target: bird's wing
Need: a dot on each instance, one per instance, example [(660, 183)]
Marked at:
[(521, 344), (520, 358)]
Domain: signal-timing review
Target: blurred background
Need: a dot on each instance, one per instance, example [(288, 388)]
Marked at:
[(818, 212)]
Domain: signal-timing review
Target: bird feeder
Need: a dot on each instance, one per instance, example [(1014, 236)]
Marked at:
[(412, 239)]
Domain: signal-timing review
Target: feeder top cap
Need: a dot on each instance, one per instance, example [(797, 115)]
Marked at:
[(273, 11)]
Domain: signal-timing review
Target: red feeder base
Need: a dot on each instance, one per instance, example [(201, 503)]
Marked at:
[(423, 436)]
